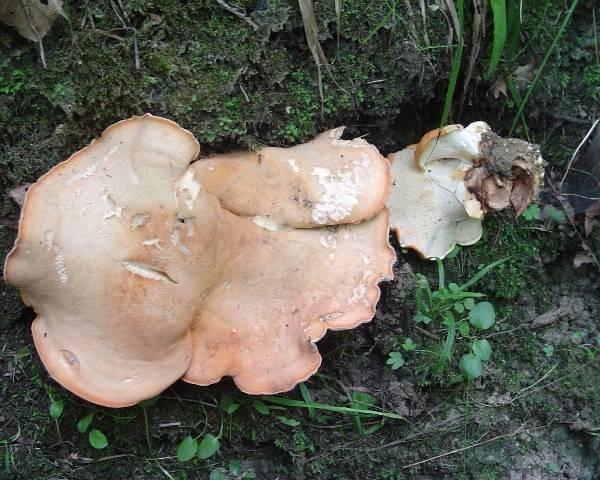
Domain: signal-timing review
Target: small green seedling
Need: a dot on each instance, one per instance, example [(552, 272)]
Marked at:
[(548, 350), (228, 405), (532, 212), (409, 345), (395, 360), (187, 449), (461, 314), (190, 447), (84, 423), (56, 407), (555, 214), (208, 446), (97, 439), (235, 471)]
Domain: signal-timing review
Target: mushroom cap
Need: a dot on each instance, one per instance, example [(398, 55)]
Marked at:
[(139, 276), (327, 181), (93, 258), (280, 294), (427, 208)]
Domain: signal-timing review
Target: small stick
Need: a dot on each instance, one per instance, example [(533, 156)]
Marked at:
[(587, 135), (517, 396), (458, 450), (238, 13)]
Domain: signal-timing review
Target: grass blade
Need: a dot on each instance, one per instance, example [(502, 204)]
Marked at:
[(286, 402), (482, 273), (455, 70), (307, 397), (549, 52), (499, 15)]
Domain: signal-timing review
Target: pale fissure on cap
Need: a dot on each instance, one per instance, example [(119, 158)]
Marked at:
[(451, 141), (138, 276), (327, 181)]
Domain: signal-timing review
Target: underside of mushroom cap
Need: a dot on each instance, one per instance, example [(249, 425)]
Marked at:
[(327, 181), (427, 209), (445, 183)]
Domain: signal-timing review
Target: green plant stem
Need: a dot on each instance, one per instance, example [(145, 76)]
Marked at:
[(454, 71), (441, 274), (538, 74), (147, 430)]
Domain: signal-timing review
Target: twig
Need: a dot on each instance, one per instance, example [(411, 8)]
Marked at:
[(580, 196), (426, 333), (458, 450), (595, 37), (541, 379), (122, 16), (568, 118), (504, 332), (576, 152), (238, 13), (136, 52), (107, 34), (245, 94)]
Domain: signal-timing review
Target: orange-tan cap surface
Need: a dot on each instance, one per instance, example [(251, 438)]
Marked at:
[(94, 259), (327, 181), (138, 275)]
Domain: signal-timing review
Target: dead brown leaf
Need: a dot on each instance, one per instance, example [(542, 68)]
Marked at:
[(31, 18), (18, 193), (592, 217), (524, 73), (582, 258), (500, 87)]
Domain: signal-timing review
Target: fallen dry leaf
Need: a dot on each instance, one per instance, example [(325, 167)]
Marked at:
[(582, 258), (500, 87), (32, 18), (18, 193), (592, 217), (524, 73)]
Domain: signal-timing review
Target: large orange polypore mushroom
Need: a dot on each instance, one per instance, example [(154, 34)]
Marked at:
[(445, 184), (139, 276)]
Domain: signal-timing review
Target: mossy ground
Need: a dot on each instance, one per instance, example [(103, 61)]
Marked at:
[(236, 87)]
